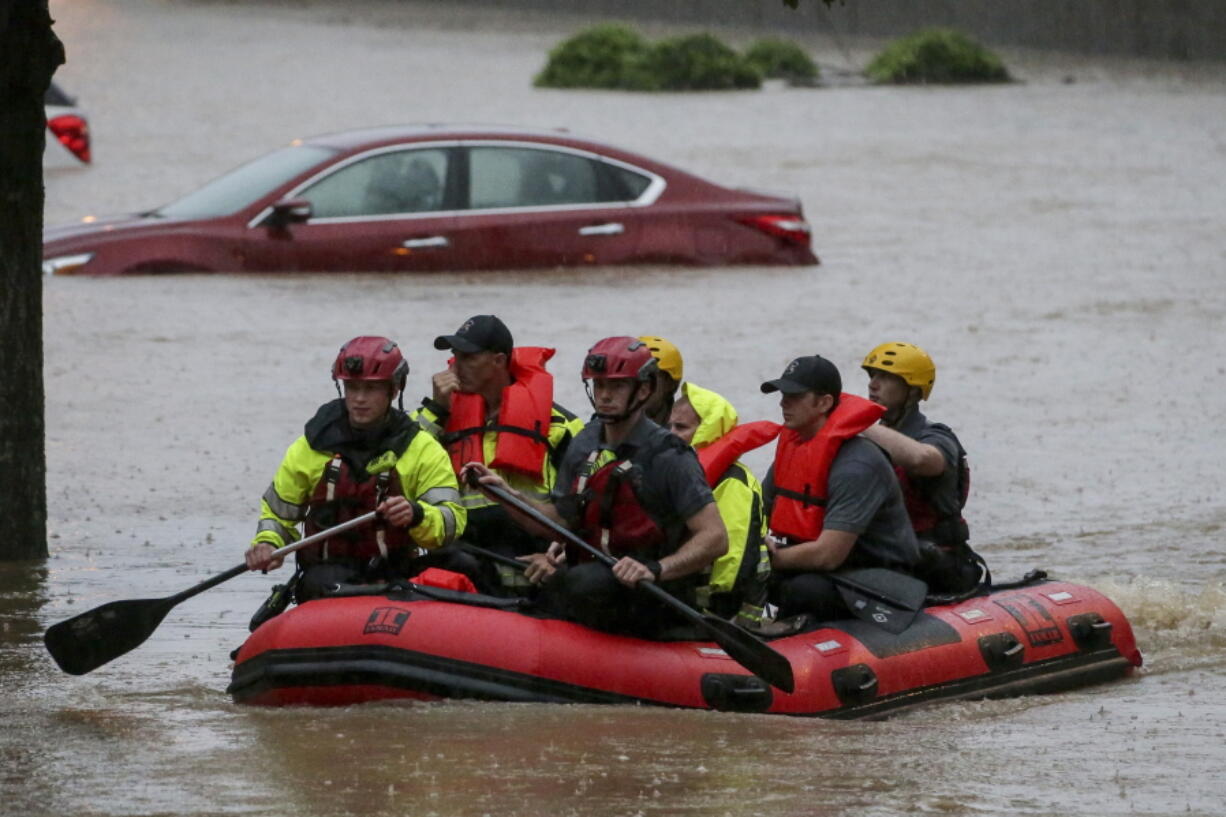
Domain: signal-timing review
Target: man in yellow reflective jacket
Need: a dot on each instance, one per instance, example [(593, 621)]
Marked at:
[(494, 404), (357, 454), (737, 582)]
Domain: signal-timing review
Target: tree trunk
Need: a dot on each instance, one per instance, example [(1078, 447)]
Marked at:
[(29, 55)]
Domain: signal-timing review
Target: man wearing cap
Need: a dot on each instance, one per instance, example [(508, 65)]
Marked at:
[(493, 404), (633, 490), (929, 461), (835, 500)]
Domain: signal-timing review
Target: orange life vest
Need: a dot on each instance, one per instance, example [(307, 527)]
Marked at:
[(802, 467), (523, 419), (720, 455)]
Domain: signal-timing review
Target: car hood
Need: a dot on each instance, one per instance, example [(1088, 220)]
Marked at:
[(90, 230)]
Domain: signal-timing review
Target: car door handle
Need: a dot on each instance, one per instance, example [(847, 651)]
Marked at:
[(611, 228), (425, 243)]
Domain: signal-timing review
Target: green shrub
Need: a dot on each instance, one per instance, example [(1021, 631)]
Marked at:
[(936, 55), (598, 57), (693, 62), (781, 59)]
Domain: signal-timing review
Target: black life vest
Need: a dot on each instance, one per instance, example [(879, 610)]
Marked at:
[(359, 476), (949, 529), (612, 511)]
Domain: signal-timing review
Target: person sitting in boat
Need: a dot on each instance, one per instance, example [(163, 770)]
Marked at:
[(929, 461), (494, 404), (834, 500), (634, 490), (357, 454), (736, 584), (666, 381)]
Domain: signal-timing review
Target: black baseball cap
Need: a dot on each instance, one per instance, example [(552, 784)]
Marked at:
[(812, 373), (480, 333)]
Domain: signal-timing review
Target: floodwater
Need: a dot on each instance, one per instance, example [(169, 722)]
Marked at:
[(1056, 245)]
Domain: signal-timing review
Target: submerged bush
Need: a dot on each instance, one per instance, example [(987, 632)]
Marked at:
[(615, 56), (781, 59), (938, 56), (599, 57), (694, 62)]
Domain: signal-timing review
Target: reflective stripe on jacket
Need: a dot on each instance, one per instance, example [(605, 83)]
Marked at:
[(423, 472)]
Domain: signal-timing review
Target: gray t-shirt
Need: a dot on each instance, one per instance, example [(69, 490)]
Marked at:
[(865, 499)]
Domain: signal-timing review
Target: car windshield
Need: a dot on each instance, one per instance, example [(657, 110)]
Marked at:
[(243, 185)]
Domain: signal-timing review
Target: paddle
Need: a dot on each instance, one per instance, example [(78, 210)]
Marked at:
[(887, 598), (751, 653), (484, 553), (85, 642)]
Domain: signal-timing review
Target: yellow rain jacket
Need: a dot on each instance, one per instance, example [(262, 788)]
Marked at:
[(423, 471), (738, 578)]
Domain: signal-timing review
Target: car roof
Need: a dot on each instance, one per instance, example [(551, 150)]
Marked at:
[(366, 138)]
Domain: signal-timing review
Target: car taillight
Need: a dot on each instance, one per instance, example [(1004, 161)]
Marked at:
[(791, 228), (73, 133)]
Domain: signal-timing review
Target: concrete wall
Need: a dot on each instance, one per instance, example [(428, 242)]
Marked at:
[(1166, 29)]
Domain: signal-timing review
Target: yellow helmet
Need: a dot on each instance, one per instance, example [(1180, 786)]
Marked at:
[(906, 360), (668, 355)]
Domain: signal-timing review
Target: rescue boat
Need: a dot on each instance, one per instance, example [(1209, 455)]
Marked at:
[(428, 643)]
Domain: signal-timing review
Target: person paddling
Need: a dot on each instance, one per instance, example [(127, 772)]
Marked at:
[(357, 454), (631, 489), (835, 502), (494, 404)]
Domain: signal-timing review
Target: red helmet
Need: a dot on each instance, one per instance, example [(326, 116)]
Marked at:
[(371, 358), (620, 358)]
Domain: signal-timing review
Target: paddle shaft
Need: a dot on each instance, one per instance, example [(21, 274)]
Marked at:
[(742, 647), (281, 552), (485, 553)]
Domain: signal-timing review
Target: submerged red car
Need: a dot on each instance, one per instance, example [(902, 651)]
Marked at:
[(440, 198)]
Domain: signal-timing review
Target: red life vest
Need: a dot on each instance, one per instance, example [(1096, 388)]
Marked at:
[(720, 455), (523, 419), (802, 467), (338, 498)]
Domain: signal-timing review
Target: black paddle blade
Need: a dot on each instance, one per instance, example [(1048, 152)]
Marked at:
[(887, 598), (83, 643), (752, 653)]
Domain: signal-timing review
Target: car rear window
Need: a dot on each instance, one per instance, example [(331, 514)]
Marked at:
[(246, 184), (632, 184)]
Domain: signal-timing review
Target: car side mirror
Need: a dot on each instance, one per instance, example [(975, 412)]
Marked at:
[(289, 211)]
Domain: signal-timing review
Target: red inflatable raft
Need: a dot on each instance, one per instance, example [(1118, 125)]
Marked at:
[(429, 644)]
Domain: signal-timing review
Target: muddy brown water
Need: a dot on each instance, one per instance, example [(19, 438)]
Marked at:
[(1055, 245)]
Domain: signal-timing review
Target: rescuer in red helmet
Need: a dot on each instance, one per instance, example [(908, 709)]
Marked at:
[(357, 454), (635, 491)]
